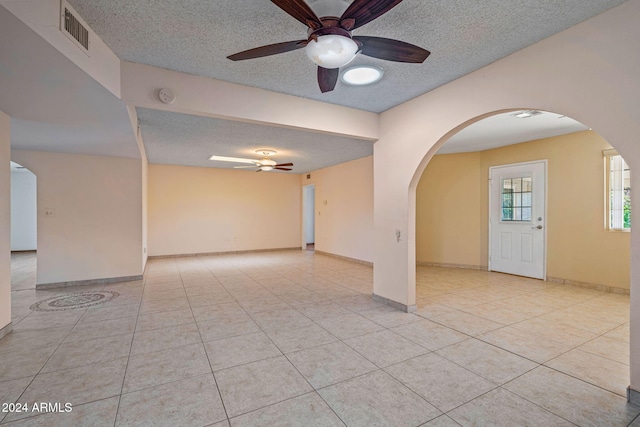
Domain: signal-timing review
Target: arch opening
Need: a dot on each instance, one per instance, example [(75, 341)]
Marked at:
[(453, 247)]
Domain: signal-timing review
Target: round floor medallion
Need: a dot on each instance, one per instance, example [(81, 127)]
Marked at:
[(71, 301)]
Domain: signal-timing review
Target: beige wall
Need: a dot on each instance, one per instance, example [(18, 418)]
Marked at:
[(448, 211), (452, 209), (96, 228), (5, 221), (201, 210), (344, 226)]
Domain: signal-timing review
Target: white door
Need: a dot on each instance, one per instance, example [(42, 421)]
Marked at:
[(517, 219)]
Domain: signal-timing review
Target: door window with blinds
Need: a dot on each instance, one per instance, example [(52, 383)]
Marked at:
[(618, 191)]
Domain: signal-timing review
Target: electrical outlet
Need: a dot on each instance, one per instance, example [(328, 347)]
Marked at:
[(49, 213)]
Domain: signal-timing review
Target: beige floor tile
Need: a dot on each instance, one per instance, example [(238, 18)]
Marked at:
[(33, 338), (486, 360), (430, 335), (302, 300), (609, 348), (441, 421), (23, 363), (467, 323), (531, 346), (49, 319), (322, 310), (75, 386), (165, 338), (160, 305), (256, 385), (152, 369), (385, 348), (443, 384), (349, 325), (193, 401), (500, 408), (228, 327), (359, 303), (239, 350), (210, 299), (308, 410), (11, 390), (166, 319), (289, 340), (329, 364), (101, 413), (278, 319), (621, 333), (594, 369), (99, 314), (81, 353), (106, 328), (427, 309), (377, 399), (551, 330), (389, 316), (573, 399)]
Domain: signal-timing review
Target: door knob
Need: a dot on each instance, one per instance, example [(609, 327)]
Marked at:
[(537, 228)]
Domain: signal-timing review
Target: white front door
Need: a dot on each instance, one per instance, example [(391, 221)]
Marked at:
[(517, 219)]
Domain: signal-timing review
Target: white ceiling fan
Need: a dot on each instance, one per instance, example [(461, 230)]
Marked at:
[(264, 164)]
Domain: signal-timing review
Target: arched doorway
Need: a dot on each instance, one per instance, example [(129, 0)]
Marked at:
[(582, 332)]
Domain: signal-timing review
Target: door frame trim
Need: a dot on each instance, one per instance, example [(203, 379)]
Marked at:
[(545, 162)]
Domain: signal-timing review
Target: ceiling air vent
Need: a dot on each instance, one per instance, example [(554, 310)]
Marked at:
[(74, 27)]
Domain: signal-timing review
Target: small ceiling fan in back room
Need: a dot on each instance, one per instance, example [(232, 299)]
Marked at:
[(329, 42), (264, 164)]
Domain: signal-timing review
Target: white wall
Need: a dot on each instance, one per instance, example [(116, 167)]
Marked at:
[(95, 231), (344, 209), (5, 220), (588, 72), (202, 210), (309, 197), (23, 211)]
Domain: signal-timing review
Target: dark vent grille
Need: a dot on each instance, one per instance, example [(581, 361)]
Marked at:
[(76, 29)]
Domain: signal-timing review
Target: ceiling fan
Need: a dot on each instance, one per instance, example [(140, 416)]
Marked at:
[(264, 164), (329, 41)]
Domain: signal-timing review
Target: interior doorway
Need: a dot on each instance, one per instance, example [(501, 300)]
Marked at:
[(24, 227), (308, 217)]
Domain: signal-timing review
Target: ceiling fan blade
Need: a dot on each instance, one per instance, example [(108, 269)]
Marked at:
[(283, 169), (232, 159), (268, 50), (392, 50), (244, 167), (284, 164), (327, 78), (299, 10), (364, 11)]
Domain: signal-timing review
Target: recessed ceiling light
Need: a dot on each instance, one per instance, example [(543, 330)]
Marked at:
[(362, 75), (526, 114)]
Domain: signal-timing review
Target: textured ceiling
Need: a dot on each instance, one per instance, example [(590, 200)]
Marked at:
[(182, 139), (195, 37), (505, 129)]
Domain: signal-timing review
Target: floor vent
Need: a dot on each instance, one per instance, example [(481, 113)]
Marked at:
[(74, 27)]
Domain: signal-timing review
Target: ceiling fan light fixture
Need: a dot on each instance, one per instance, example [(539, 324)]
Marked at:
[(266, 168), (362, 75), (332, 51)]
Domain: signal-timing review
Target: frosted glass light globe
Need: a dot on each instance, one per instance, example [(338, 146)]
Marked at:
[(332, 51)]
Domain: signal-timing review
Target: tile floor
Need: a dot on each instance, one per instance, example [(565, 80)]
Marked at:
[(294, 338)]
